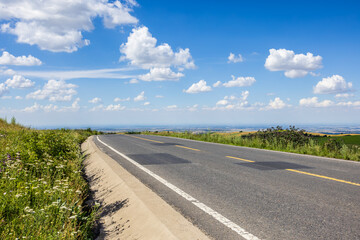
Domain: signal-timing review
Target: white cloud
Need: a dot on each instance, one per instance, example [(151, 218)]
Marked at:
[(344, 95), (233, 102), (333, 84), (8, 59), (146, 103), (294, 65), (18, 97), (140, 97), (49, 108), (7, 72), (121, 99), (349, 104), (31, 109), (57, 26), (19, 81), (198, 87), (6, 97), (235, 59), (133, 81), (95, 100), (97, 108), (141, 50), (73, 108), (3, 88), (240, 82), (112, 107), (217, 84), (222, 102), (111, 73), (52, 108), (159, 96), (171, 107), (277, 103), (314, 102), (55, 91), (161, 74), (193, 108)]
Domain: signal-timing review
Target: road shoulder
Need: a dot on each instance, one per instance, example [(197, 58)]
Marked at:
[(130, 209)]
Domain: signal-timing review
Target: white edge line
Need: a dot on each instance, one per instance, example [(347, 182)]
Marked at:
[(261, 149), (240, 231)]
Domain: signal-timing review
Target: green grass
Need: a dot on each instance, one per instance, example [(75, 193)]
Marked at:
[(287, 140), (42, 189), (350, 139)]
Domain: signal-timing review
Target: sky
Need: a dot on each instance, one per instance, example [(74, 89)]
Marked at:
[(99, 62)]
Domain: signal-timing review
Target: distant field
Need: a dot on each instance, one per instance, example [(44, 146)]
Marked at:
[(349, 139), (353, 139), (279, 139)]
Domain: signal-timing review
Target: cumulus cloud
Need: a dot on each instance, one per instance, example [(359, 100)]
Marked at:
[(18, 98), (161, 74), (7, 71), (314, 102), (198, 87), (8, 59), (3, 89), (121, 99), (19, 81), (235, 59), (277, 103), (332, 85), (233, 102), (113, 107), (146, 103), (54, 91), (95, 100), (140, 97), (141, 50), (74, 107), (240, 82), (57, 26), (32, 108), (294, 65)]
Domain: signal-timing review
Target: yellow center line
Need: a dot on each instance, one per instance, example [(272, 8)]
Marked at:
[(241, 159), (325, 177), (194, 149), (146, 139)]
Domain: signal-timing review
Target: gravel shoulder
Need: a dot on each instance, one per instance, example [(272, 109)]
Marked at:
[(130, 210)]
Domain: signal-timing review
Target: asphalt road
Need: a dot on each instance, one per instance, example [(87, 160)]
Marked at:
[(260, 194)]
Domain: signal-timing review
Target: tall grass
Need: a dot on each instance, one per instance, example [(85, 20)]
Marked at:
[(42, 190), (288, 140)]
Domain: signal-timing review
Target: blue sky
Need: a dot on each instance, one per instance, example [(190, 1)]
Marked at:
[(96, 62)]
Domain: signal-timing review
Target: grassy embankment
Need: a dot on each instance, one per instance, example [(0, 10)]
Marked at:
[(42, 189), (287, 140)]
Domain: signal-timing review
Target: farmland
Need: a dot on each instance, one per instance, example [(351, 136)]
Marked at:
[(288, 140)]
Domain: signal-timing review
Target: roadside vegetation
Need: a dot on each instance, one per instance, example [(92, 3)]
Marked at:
[(42, 188), (288, 140)]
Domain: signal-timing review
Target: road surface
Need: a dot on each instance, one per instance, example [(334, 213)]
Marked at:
[(243, 193)]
